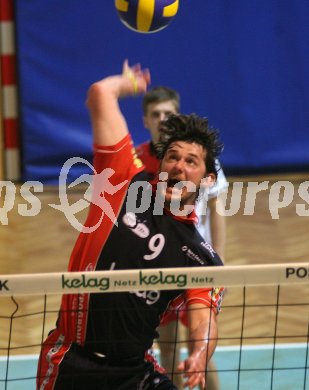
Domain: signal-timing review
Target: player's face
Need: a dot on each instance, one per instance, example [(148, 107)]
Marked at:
[(157, 112), (185, 162)]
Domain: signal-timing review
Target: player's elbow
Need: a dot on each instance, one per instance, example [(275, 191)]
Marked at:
[(96, 93)]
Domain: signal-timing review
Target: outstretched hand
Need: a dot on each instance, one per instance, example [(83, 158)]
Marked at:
[(109, 125), (194, 370), (136, 79)]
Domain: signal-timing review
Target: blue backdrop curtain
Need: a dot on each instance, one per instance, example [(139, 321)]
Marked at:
[(243, 64)]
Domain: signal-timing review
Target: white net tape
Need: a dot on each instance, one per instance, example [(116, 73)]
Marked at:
[(164, 279)]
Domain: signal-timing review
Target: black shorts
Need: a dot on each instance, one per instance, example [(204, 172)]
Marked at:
[(84, 370)]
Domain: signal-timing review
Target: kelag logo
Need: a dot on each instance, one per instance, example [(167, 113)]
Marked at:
[(100, 283), (160, 278), (3, 285)]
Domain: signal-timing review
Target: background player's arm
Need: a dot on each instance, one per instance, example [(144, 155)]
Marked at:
[(109, 125), (217, 225), (203, 335)]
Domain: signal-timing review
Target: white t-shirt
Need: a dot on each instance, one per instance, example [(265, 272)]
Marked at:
[(201, 209)]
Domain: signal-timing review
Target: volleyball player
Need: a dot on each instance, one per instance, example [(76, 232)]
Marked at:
[(158, 104), (101, 340)]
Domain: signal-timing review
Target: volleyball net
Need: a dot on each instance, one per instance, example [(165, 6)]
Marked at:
[(263, 325)]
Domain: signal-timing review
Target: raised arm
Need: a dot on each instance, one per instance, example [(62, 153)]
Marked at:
[(203, 335), (109, 125)]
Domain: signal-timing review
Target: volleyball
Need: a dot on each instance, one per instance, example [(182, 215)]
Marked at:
[(146, 16)]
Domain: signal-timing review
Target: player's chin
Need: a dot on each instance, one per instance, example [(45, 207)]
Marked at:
[(184, 205)]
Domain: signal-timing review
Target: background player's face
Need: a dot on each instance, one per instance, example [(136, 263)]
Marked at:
[(155, 113), (185, 161)]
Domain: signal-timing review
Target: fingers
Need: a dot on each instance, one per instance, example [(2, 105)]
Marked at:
[(192, 374), (135, 70), (181, 366), (146, 75), (139, 78), (194, 379), (131, 76)]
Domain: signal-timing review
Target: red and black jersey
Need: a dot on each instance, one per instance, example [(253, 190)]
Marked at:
[(120, 325)]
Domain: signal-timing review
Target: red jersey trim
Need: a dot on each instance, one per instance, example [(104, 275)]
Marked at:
[(149, 159), (177, 309), (112, 148), (114, 168)]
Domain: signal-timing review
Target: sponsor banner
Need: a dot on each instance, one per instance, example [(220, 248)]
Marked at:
[(146, 280)]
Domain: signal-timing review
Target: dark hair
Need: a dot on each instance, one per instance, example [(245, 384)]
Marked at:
[(190, 128), (160, 94)]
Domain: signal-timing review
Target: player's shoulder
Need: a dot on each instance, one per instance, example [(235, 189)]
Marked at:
[(142, 148)]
